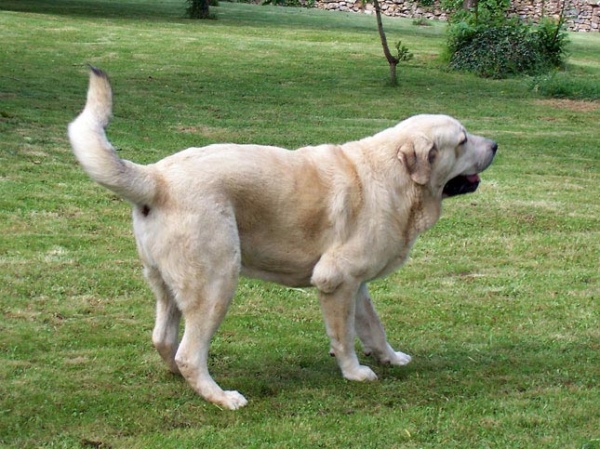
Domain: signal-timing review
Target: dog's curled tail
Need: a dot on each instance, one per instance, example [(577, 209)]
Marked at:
[(136, 183)]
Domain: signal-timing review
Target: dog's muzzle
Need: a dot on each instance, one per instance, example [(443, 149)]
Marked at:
[(468, 183)]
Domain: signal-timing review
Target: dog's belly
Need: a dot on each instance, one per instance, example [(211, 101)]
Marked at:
[(287, 279), (290, 271)]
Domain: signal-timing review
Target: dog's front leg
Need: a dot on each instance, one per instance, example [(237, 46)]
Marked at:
[(371, 332), (339, 309)]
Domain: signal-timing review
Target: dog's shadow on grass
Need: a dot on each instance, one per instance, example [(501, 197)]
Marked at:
[(453, 371)]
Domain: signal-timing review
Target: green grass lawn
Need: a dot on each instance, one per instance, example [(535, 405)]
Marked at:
[(499, 303)]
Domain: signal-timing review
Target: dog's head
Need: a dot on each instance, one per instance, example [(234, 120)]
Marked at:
[(440, 154)]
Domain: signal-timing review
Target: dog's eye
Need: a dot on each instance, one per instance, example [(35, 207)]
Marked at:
[(464, 141), (432, 154)]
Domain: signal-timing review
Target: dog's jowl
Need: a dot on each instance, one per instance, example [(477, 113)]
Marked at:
[(330, 216)]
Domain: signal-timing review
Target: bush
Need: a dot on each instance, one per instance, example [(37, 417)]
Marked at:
[(506, 47), (552, 42), (421, 22)]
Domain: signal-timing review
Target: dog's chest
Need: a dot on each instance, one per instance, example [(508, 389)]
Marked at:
[(394, 260)]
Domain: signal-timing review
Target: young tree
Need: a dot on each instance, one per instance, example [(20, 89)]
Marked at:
[(403, 53)]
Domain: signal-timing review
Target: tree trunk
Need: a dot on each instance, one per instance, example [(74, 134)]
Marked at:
[(393, 77), (204, 9), (198, 9)]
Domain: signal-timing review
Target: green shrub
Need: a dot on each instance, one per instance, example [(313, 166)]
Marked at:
[(506, 47), (487, 12), (552, 41), (421, 22)]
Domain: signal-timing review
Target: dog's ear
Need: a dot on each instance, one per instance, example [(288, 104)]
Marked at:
[(416, 155)]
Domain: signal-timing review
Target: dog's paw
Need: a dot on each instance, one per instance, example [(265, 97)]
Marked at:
[(400, 359), (361, 374), (231, 400)]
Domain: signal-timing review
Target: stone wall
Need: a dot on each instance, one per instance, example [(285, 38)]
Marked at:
[(582, 15)]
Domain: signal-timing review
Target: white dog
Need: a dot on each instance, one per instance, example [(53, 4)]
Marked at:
[(331, 216)]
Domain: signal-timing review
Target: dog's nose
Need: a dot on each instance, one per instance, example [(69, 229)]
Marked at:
[(494, 147)]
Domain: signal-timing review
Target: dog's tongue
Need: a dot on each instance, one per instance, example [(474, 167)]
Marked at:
[(473, 178)]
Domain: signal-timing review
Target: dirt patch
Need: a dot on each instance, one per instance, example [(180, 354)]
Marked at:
[(571, 105)]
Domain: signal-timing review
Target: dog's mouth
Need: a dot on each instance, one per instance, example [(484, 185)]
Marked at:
[(461, 184)]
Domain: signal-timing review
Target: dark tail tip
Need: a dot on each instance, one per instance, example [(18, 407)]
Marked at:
[(98, 72)]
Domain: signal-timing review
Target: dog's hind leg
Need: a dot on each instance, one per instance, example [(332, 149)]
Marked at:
[(204, 278), (203, 312), (371, 332), (165, 336)]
